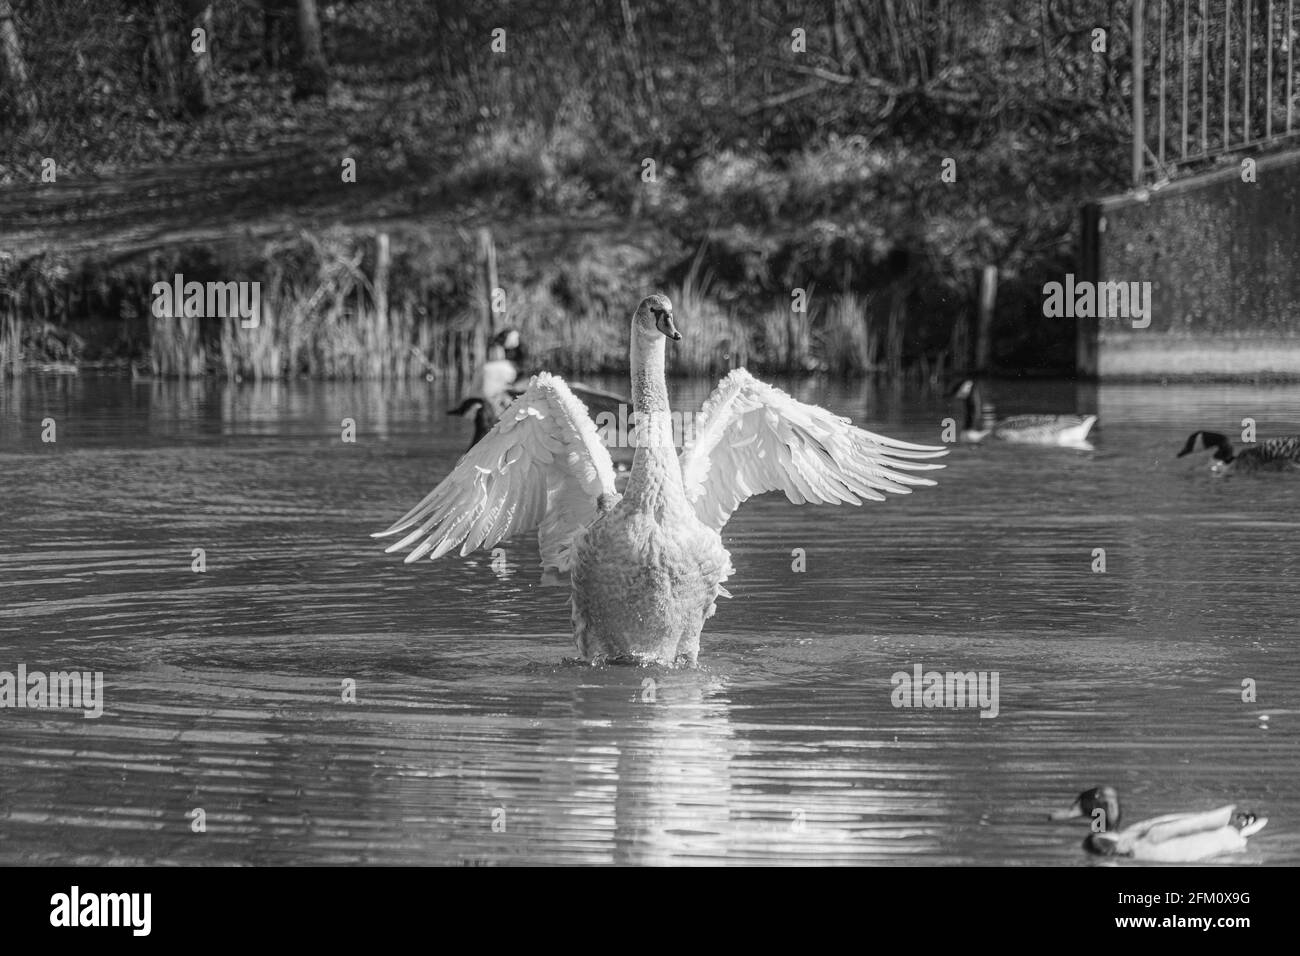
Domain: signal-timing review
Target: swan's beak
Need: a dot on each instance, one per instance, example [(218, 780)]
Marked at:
[(1075, 810), (664, 323)]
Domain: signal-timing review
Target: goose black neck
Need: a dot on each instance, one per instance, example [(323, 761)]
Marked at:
[(972, 409)]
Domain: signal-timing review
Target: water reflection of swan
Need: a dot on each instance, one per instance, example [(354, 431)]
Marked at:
[(647, 566)]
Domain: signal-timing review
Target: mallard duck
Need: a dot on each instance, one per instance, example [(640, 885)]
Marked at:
[(646, 567), (981, 422), (1173, 838), (1275, 454)]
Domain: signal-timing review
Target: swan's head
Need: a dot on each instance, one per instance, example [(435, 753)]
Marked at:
[(1087, 803), (655, 314)]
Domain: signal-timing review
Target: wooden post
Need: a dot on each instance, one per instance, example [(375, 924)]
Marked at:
[(380, 332), (959, 343), (312, 77), (988, 295), (383, 259), (1139, 102), (1087, 330), (487, 254)]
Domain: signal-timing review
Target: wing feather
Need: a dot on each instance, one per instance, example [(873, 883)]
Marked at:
[(542, 467), (1175, 825), (755, 438)]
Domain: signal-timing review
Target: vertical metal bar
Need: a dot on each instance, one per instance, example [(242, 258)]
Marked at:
[(1187, 13), (1205, 78), (1290, 71), (1245, 68), (1163, 36), (1268, 76), (1227, 65), (1139, 118)]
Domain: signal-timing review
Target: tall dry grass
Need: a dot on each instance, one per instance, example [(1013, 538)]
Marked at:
[(339, 305), (849, 342), (714, 340)]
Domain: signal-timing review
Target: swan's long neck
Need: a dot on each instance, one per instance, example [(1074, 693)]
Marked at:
[(656, 477)]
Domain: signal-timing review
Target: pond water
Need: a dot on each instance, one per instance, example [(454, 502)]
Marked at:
[(472, 741)]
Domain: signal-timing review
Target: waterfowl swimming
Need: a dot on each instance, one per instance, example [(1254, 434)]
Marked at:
[(1275, 454), (489, 392), (981, 422), (646, 567), (1173, 838), (493, 387)]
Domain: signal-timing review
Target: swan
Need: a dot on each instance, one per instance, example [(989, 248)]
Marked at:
[(646, 567), (1173, 838), (1274, 454), (1064, 430)]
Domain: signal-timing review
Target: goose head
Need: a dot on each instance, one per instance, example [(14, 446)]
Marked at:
[(1088, 803), (507, 344), (1210, 441), (654, 317), (964, 390)]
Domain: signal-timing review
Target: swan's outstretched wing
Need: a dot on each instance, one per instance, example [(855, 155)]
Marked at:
[(754, 438), (542, 466)]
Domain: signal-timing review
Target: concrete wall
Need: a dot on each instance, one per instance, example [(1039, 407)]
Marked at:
[(1223, 259)]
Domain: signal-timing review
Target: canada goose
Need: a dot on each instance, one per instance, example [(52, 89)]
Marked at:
[(490, 391), (981, 422), (1173, 838), (1275, 454), (646, 567)]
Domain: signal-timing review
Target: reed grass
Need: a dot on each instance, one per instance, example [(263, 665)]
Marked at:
[(339, 305), (849, 343), (713, 340)]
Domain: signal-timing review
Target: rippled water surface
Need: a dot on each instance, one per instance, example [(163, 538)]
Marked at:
[(472, 741)]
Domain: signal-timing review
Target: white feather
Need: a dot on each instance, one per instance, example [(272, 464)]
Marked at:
[(542, 466), (755, 438)]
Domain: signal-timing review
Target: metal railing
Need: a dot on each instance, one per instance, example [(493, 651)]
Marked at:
[(1246, 79)]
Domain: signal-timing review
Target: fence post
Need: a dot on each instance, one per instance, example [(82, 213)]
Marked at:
[(988, 296), (487, 253), (1139, 102)]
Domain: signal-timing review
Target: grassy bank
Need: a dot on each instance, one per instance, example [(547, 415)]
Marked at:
[(337, 306)]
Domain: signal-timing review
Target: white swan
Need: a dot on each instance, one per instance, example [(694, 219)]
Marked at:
[(646, 568)]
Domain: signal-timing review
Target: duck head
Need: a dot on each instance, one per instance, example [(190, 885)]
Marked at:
[(1087, 804), (654, 316), (1210, 441)]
